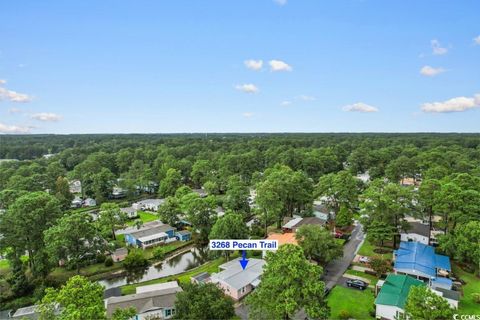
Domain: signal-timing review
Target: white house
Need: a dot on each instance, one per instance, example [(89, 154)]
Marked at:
[(417, 232), (148, 204), (89, 202)]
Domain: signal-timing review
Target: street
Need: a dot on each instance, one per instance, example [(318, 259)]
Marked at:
[(335, 269)]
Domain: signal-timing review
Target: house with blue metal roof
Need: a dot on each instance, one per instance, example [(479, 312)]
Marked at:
[(421, 261)]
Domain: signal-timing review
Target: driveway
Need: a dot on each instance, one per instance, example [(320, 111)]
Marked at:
[(335, 269)]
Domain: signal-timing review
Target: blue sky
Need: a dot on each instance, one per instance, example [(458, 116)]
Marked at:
[(180, 66)]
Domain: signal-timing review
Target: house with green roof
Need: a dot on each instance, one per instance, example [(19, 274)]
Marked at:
[(393, 294)]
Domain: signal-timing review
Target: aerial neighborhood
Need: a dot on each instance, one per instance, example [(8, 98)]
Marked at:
[(350, 244)]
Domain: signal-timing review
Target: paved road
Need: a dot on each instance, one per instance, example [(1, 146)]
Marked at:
[(335, 269), (333, 272)]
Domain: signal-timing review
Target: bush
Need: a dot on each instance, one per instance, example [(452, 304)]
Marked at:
[(100, 258), (158, 253), (135, 260), (476, 297), (344, 314), (108, 262)]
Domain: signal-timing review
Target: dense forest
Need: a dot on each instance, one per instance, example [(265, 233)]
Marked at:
[(287, 171)]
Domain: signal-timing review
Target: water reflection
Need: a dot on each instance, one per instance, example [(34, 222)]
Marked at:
[(181, 263)]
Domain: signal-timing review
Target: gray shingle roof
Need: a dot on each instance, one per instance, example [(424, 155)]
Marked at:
[(234, 276), (143, 302), (419, 228), (151, 231)]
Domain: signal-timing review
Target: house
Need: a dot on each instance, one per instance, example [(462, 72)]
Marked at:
[(421, 262), (201, 192), (75, 186), (148, 204), (390, 301), (200, 278), (153, 301), (293, 224), (183, 235), (130, 212), (452, 297), (29, 312), (151, 235), (418, 232), (118, 193), (282, 238), (76, 202), (236, 282), (89, 202), (119, 254)]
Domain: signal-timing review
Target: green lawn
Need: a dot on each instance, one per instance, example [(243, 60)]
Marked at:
[(356, 302), (166, 248), (373, 280), (4, 266), (144, 216), (210, 267), (367, 250), (467, 305)]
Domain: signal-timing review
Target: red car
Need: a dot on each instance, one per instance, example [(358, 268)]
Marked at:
[(337, 234)]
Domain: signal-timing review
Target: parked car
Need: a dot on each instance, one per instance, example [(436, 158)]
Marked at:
[(364, 259), (338, 234), (359, 284)]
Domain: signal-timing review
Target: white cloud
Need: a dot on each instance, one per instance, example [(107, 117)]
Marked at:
[(13, 129), (431, 71), (10, 95), (247, 88), (476, 40), (279, 65), (248, 114), (437, 49), (306, 98), (457, 104), (280, 2), (253, 64), (359, 107), (15, 110), (285, 103), (46, 116)]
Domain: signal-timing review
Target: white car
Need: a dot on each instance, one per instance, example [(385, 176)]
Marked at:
[(364, 259)]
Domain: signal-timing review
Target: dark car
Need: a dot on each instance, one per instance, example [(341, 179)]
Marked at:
[(359, 284)]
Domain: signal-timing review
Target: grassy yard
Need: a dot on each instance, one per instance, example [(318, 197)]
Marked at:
[(373, 280), (166, 248), (4, 266), (144, 216), (357, 303), (367, 250), (210, 267), (467, 305)]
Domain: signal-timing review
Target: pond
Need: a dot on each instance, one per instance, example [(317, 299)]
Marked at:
[(175, 265)]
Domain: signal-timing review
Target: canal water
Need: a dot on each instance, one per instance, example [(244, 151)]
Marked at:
[(178, 264)]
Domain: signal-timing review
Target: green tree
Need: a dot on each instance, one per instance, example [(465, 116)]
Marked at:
[(423, 304), (62, 192), (124, 314), (23, 224), (202, 171), (110, 217), (236, 197), (380, 265), (170, 211), (339, 189), (464, 243), (73, 238), (203, 302), (344, 217), (230, 226), (318, 244), (171, 182), (78, 299), (101, 185), (135, 260), (289, 283), (200, 212), (378, 232)]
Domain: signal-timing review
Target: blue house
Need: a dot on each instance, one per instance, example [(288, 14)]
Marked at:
[(151, 235), (421, 262), (183, 235)]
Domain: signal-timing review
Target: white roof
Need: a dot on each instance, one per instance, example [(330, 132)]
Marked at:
[(234, 276), (158, 286), (292, 223), (155, 202), (25, 311), (153, 236)]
